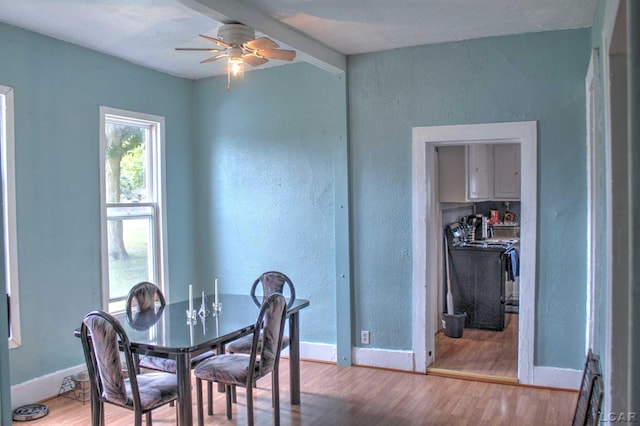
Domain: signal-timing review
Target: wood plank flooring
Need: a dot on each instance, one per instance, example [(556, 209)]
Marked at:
[(480, 352), (333, 395)]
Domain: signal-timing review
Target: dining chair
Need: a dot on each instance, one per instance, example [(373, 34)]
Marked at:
[(244, 369), (102, 339), (141, 304), (272, 282)]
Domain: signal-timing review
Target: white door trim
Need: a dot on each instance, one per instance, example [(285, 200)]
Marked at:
[(427, 232), (594, 164), (616, 363)]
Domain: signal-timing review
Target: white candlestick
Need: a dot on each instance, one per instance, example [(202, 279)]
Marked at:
[(215, 291), (190, 299)]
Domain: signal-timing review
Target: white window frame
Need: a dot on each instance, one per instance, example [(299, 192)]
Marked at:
[(9, 211), (158, 182)]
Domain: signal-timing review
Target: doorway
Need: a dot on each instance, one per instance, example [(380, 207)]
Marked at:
[(427, 225), (488, 347)]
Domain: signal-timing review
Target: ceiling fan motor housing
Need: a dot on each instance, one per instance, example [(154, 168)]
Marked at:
[(236, 34)]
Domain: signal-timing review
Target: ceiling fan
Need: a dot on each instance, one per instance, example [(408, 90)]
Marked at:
[(239, 44)]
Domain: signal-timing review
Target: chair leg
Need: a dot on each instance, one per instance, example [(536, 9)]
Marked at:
[(199, 402), (138, 418), (210, 398), (148, 418), (228, 395), (98, 414), (275, 397), (249, 389)]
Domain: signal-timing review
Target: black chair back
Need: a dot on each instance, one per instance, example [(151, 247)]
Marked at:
[(272, 282), (102, 339)]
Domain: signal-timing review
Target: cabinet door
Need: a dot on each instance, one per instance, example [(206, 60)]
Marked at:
[(479, 172), (451, 175), (506, 185)]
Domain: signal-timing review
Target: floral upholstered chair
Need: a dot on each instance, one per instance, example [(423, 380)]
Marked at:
[(102, 339), (244, 369), (144, 305), (272, 282)]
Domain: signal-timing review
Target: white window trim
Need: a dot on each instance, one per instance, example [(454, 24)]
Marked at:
[(161, 245), (10, 235)]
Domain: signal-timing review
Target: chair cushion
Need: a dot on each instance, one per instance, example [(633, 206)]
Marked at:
[(155, 389), (230, 368), (243, 344), (169, 365)]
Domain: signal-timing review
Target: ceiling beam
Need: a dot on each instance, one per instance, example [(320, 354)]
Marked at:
[(308, 49)]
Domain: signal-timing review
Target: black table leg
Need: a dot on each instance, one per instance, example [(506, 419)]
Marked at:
[(294, 358), (183, 371)]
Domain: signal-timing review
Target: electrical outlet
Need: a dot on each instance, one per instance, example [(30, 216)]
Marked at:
[(364, 337)]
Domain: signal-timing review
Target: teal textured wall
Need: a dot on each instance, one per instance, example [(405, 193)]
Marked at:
[(250, 178), (58, 90), (526, 77), (265, 183)]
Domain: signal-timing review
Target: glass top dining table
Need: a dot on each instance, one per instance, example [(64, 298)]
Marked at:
[(167, 333)]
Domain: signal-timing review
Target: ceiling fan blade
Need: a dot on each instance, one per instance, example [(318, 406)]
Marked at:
[(203, 49), (283, 55), (254, 61), (216, 41), (222, 55), (261, 43)]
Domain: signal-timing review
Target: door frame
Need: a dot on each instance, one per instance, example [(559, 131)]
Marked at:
[(595, 219), (427, 232), (617, 360)]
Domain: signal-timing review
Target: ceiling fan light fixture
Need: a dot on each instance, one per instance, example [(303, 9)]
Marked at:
[(238, 43), (236, 63)]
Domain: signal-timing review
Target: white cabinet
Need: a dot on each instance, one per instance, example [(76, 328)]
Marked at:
[(451, 174), (478, 172), (506, 174)]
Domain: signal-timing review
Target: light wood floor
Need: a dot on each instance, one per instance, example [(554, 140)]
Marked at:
[(484, 352), (336, 396)]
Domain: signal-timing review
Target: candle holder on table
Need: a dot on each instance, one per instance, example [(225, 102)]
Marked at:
[(203, 311), (191, 313), (217, 308), (192, 317)]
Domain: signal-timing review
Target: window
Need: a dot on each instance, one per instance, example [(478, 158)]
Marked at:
[(9, 233), (133, 230)]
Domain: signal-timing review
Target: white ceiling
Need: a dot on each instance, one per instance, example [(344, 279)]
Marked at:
[(146, 32)]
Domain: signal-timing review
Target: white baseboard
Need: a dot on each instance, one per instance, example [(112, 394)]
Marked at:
[(41, 388), (384, 358), (564, 378), (316, 351)]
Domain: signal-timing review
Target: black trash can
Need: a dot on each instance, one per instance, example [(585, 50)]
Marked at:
[(454, 324)]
